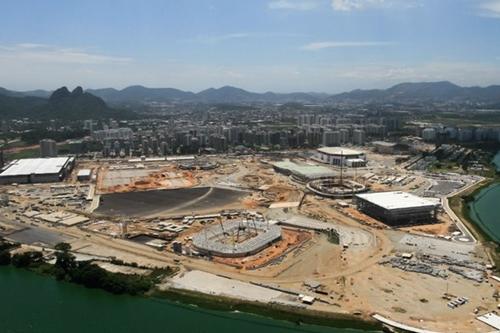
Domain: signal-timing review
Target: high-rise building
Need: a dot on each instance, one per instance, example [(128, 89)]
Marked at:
[(331, 138), (344, 135), (88, 125), (429, 134), (358, 137), (48, 148)]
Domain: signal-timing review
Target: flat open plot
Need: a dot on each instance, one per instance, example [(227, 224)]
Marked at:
[(177, 201), (213, 284), (35, 235), (434, 246), (124, 177)]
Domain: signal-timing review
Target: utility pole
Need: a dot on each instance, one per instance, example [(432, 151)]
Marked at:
[(341, 167)]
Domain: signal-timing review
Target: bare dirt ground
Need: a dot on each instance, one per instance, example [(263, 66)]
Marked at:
[(445, 226), (128, 180)]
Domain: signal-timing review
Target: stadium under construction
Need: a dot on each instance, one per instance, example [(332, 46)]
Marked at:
[(335, 188), (236, 238)]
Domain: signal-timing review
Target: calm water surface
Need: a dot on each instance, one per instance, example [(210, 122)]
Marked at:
[(485, 209)]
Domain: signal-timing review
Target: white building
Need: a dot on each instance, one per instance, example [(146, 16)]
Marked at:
[(123, 133)]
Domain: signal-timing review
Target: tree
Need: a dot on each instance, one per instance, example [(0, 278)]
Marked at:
[(65, 261), (63, 247), (4, 258)]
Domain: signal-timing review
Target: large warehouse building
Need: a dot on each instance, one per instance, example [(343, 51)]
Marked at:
[(37, 170), (397, 208), (341, 156)]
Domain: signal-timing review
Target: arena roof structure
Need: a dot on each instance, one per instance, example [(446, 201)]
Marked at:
[(339, 151), (384, 143), (396, 200), (304, 171)]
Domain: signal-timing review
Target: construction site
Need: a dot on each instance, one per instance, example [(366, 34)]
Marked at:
[(272, 229)]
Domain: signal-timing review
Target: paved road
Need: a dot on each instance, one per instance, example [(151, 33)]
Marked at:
[(453, 216)]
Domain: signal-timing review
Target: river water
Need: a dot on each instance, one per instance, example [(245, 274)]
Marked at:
[(485, 209), (32, 303)]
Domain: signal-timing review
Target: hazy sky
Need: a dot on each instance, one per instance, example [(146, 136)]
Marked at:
[(260, 45)]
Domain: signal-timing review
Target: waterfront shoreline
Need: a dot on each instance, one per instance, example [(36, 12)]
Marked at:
[(459, 203), (273, 311), (464, 212), (221, 303), (123, 313)]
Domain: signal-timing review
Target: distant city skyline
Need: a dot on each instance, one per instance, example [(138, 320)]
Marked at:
[(326, 46)]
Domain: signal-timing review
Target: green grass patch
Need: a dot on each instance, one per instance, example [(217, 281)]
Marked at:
[(25, 153)]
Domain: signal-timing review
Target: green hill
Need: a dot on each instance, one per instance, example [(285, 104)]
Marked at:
[(62, 104)]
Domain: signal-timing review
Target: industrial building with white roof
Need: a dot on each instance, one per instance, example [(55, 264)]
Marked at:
[(36, 170), (397, 208)]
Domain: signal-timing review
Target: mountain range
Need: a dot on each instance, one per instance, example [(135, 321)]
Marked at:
[(443, 91), (226, 94), (92, 103)]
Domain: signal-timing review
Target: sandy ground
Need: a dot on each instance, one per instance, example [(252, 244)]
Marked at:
[(122, 269)]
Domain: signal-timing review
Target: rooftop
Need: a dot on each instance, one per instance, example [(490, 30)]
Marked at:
[(305, 170), (384, 143), (38, 166), (339, 151), (396, 200), (84, 173)]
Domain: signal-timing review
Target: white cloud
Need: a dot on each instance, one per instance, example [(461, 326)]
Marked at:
[(330, 44), (383, 75), (29, 72), (220, 38), (213, 39), (490, 8), (41, 53), (293, 4), (351, 5)]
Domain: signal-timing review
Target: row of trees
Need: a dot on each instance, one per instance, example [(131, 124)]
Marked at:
[(34, 136)]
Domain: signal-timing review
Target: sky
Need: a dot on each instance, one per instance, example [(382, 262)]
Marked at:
[(259, 45)]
